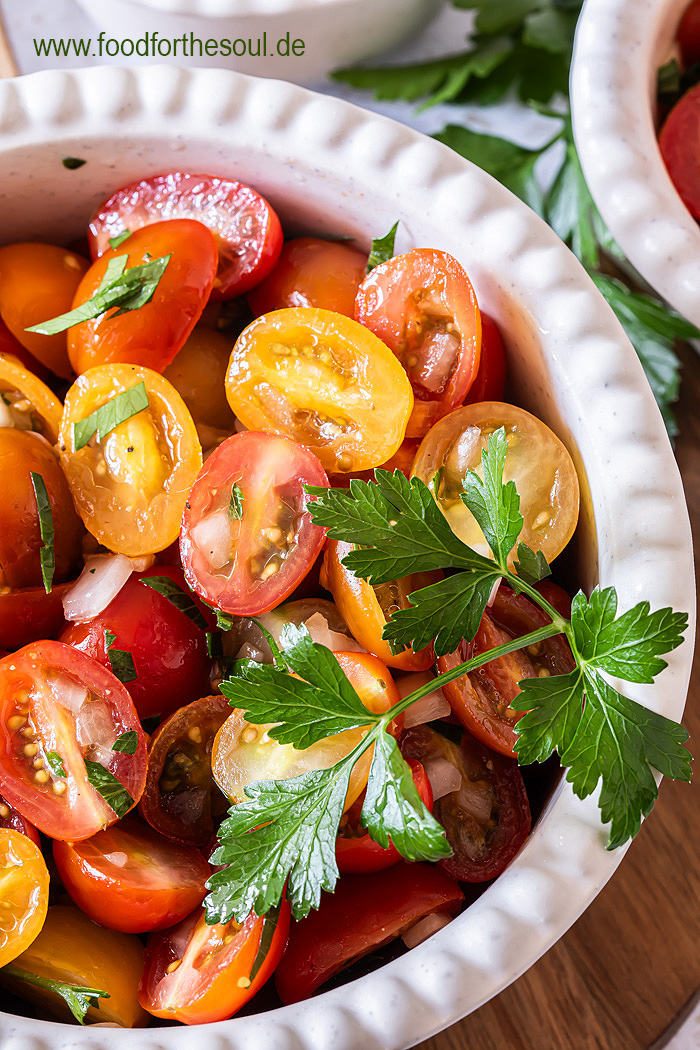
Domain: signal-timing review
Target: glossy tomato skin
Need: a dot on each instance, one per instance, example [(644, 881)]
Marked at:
[(180, 799), (679, 143), (24, 892), (211, 978), (481, 700), (401, 460), (423, 306), (10, 818), (153, 334), (21, 454), (356, 852), (362, 913), (245, 226), (490, 381), (168, 649), (483, 845), (38, 282), (688, 35), (312, 272), (30, 614), (9, 344), (248, 559), (56, 701), (22, 386), (129, 878)]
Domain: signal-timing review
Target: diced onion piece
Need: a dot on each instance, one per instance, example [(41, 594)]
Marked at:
[(250, 652), (494, 592), (100, 581), (69, 693), (478, 803), (434, 705), (143, 562), (443, 776), (212, 535), (424, 928), (320, 632)]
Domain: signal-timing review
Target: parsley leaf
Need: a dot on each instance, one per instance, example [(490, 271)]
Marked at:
[(55, 763), (121, 661), (127, 743), (382, 248), (495, 506), (119, 238), (512, 165), (445, 612), (77, 997), (108, 416), (112, 790), (178, 597), (235, 503), (531, 566), (46, 530)]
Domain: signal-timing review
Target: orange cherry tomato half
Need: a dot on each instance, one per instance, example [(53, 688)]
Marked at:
[(197, 973), (325, 381), (679, 143), (366, 608), (11, 346), (37, 282), (153, 334), (423, 306), (246, 228), (312, 272), (247, 538), (58, 711), (198, 373), (31, 404), (490, 382), (24, 892), (401, 460), (129, 878)]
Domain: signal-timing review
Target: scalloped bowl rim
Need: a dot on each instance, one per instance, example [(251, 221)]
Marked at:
[(234, 9), (642, 529)]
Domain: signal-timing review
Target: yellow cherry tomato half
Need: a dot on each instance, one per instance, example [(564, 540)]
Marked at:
[(244, 753), (24, 893), (537, 462), (27, 403), (130, 484), (323, 380)]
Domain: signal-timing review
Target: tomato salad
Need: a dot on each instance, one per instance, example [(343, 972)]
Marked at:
[(156, 444), (679, 111)]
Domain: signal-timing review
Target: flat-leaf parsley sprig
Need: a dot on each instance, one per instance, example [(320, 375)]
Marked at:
[(284, 833)]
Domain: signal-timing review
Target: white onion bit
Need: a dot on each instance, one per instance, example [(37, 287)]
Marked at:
[(317, 626), (100, 581), (494, 592), (425, 928), (443, 776), (434, 705)]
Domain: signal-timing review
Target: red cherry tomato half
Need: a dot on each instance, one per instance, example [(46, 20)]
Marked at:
[(363, 912), (679, 143), (247, 538), (355, 851), (490, 382), (196, 973), (168, 650), (58, 710), (688, 35), (30, 614), (422, 305), (487, 819), (10, 818), (129, 878), (312, 272), (247, 231), (153, 334)]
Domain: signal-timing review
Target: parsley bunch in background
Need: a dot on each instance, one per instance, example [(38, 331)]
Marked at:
[(523, 49)]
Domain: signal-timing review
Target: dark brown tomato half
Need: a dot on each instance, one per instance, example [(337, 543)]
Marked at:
[(487, 818), (247, 538), (181, 799)]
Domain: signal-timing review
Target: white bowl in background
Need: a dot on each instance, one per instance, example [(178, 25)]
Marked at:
[(619, 46), (328, 166), (335, 33)]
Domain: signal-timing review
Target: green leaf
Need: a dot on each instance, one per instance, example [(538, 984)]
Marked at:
[(531, 566), (73, 162), (513, 166), (270, 924), (108, 416), (551, 29), (46, 530), (224, 621), (121, 661), (554, 706), (500, 16), (77, 997), (235, 503), (127, 290), (119, 238), (495, 505), (178, 597), (127, 743), (394, 811), (112, 790), (628, 646), (569, 208), (55, 763), (382, 248)]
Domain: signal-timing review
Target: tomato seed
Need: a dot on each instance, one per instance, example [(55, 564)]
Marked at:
[(15, 722), (30, 750), (41, 776), (4, 811), (172, 967)]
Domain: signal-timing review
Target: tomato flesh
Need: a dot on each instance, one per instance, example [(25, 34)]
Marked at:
[(24, 893)]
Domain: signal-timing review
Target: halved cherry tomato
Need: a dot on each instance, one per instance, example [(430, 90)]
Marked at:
[(153, 334), (481, 700), (401, 460), (11, 818), (197, 973), (312, 272), (24, 893), (37, 282), (688, 34), (247, 538), (198, 373), (59, 709), (679, 142), (31, 614), (23, 453), (131, 879), (356, 852), (9, 344), (32, 405), (537, 461), (490, 382), (169, 651), (72, 949), (488, 818), (366, 608), (130, 486), (365, 912), (422, 305), (323, 380), (244, 753), (246, 228), (180, 799)]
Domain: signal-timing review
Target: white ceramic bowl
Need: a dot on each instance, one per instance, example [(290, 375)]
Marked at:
[(329, 166), (619, 46), (334, 33)]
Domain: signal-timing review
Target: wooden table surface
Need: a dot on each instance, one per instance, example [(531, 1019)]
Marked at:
[(630, 967)]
